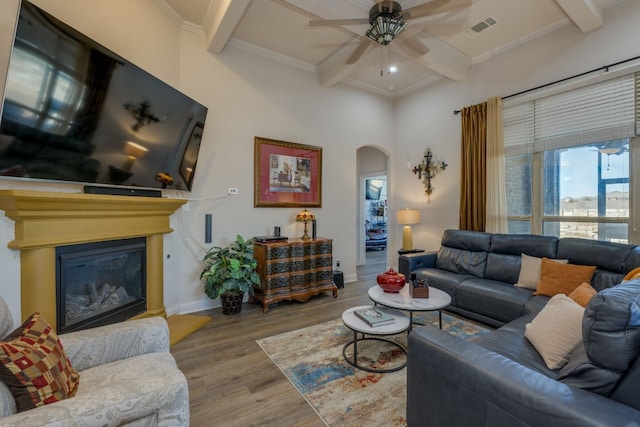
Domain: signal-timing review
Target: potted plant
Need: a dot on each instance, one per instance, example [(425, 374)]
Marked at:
[(229, 272)]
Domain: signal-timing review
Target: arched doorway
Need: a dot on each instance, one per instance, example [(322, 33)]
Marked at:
[(373, 185)]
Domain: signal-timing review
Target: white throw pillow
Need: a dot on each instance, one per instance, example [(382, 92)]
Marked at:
[(556, 330), (530, 267)]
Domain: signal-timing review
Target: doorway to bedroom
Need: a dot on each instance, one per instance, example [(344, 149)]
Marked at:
[(375, 214), (373, 191)]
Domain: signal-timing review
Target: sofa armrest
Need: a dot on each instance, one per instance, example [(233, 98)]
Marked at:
[(93, 347), (409, 262), (452, 382)]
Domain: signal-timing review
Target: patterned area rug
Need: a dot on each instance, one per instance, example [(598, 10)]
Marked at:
[(311, 358)]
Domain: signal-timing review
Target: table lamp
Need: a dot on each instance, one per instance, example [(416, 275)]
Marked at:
[(305, 216), (407, 217)]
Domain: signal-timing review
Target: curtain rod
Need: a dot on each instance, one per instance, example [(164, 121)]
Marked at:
[(603, 68)]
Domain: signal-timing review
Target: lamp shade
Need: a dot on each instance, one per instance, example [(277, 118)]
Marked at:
[(305, 215), (408, 216)]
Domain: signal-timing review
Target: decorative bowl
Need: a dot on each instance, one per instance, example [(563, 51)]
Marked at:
[(391, 281)]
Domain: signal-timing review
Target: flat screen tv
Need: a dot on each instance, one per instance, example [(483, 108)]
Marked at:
[(75, 111), (373, 188)]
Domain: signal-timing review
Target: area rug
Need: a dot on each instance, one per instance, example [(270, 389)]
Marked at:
[(311, 358)]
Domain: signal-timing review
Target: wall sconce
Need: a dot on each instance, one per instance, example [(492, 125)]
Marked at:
[(406, 217), (427, 169)]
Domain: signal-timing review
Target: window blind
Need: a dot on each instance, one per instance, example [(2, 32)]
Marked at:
[(599, 112)]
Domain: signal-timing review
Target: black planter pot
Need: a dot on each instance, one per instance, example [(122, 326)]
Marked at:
[(231, 302)]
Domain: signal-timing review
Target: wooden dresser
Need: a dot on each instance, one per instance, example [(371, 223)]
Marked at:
[(294, 270)]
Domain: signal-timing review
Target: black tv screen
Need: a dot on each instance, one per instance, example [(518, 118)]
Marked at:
[(75, 111), (373, 189)]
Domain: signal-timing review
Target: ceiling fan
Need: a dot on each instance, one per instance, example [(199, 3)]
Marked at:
[(387, 20)]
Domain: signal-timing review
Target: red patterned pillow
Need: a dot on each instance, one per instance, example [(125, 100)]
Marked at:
[(34, 366)]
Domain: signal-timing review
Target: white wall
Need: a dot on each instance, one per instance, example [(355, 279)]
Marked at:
[(247, 96), (426, 119)]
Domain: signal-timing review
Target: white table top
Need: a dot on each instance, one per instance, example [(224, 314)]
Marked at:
[(402, 300), (354, 323)]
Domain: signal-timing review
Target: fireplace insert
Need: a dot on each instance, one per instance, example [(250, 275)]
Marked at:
[(100, 283)]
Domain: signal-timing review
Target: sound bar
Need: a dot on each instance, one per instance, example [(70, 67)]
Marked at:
[(117, 191)]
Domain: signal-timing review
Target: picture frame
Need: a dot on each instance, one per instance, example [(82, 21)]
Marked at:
[(286, 174)]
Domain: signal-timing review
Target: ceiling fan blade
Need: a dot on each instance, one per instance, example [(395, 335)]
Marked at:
[(364, 45), (434, 7), (337, 22), (415, 45)]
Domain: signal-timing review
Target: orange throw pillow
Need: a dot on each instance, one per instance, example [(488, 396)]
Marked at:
[(583, 294), (558, 278)]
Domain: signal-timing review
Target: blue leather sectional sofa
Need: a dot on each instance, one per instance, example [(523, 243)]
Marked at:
[(500, 379)]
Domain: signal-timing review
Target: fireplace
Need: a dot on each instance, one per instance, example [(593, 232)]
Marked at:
[(47, 220), (100, 283)]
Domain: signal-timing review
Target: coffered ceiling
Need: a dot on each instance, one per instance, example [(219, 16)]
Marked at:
[(280, 29)]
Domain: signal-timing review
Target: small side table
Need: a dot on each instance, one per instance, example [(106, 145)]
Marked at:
[(358, 326), (409, 251)]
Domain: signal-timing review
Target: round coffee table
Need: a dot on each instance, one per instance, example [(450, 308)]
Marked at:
[(403, 301), (358, 326)]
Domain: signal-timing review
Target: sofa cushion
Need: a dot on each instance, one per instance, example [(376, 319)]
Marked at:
[(444, 280), (556, 330), (530, 268), (148, 387), (608, 362), (474, 241), (582, 373), (611, 326), (498, 300), (461, 261), (34, 365), (583, 294), (556, 278), (530, 244), (604, 255), (502, 267), (509, 341), (603, 279)]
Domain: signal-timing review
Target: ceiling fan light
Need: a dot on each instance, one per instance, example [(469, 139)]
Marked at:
[(383, 29)]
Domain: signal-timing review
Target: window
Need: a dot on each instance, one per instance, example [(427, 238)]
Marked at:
[(566, 176), (52, 107)]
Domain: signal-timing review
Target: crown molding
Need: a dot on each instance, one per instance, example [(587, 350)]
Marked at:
[(284, 59)]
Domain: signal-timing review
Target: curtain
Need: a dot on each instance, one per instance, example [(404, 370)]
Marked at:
[(473, 168), (496, 214), (101, 67)]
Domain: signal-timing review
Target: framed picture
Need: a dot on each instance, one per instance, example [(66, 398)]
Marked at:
[(286, 174)]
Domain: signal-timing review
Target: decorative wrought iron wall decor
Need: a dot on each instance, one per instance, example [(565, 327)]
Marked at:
[(427, 169)]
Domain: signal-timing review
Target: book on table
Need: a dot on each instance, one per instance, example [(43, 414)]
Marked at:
[(373, 316)]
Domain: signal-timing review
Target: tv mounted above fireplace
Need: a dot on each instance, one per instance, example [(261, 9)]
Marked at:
[(74, 111)]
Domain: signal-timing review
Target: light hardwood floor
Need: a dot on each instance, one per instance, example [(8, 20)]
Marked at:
[(232, 382)]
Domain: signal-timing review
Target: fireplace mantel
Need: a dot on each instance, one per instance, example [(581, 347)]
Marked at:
[(44, 220)]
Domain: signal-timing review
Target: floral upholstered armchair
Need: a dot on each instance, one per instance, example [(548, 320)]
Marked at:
[(126, 377)]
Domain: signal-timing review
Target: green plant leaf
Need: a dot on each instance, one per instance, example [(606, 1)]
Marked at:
[(230, 268)]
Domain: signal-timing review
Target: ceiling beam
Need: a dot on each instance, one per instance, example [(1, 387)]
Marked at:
[(441, 58), (335, 69), (222, 18), (586, 14)]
